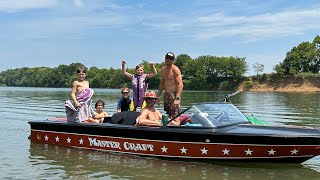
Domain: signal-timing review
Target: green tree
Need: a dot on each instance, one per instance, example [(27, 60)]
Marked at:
[(180, 61), (208, 72), (316, 42), (303, 58)]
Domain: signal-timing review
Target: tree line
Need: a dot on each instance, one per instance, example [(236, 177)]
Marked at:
[(201, 73), (204, 72)]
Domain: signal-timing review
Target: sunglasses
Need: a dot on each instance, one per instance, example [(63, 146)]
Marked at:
[(125, 92), (149, 98), (169, 57)]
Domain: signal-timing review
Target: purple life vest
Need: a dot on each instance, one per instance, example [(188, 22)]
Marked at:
[(139, 87)]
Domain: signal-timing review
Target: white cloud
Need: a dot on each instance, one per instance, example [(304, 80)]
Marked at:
[(66, 18), (73, 27), (17, 5), (99, 14), (259, 26)]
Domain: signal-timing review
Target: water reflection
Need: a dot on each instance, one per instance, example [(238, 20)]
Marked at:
[(67, 162)]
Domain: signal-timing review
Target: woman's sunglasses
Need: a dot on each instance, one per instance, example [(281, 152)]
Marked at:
[(125, 93)]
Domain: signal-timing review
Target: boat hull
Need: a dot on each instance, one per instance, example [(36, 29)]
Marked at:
[(194, 143)]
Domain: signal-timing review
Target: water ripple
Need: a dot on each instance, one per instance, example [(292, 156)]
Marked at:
[(22, 159)]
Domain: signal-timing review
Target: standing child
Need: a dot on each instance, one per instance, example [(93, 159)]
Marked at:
[(80, 110), (139, 83)]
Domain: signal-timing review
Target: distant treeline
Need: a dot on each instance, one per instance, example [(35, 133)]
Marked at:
[(204, 72)]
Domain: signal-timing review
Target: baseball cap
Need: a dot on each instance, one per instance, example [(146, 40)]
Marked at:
[(170, 55)]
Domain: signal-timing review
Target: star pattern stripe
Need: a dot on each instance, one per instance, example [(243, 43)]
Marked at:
[(260, 151), (183, 150), (225, 151), (164, 149), (81, 141), (294, 151), (46, 138), (248, 152), (271, 152), (204, 150)]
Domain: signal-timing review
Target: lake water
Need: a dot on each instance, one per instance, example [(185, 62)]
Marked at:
[(22, 159)]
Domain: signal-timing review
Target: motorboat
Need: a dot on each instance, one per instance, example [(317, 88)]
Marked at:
[(207, 132)]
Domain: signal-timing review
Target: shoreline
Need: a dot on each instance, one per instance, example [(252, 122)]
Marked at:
[(291, 85), (284, 89)]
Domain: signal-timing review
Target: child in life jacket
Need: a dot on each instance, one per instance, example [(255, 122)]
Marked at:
[(125, 101), (139, 83)]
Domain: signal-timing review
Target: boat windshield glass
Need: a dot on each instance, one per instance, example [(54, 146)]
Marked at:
[(214, 115)]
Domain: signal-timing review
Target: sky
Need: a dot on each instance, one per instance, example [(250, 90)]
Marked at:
[(100, 33)]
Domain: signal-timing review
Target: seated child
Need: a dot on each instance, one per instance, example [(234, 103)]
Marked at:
[(99, 110), (125, 102)]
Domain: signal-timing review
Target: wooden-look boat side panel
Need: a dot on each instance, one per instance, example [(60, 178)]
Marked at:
[(180, 134), (174, 149)]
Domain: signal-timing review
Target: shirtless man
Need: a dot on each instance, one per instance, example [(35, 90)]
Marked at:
[(150, 116), (171, 82)]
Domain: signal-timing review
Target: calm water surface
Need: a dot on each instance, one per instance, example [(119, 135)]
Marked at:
[(21, 159)]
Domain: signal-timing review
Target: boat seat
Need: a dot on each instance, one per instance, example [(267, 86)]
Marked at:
[(107, 119), (184, 119), (126, 118)]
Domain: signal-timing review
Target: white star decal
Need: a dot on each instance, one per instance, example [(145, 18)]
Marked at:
[(271, 152), (81, 141), (46, 138), (225, 151), (294, 151), (248, 152), (164, 149), (183, 150), (204, 150), (68, 140), (57, 139)]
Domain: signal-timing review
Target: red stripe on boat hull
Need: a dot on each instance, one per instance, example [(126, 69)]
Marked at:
[(174, 149)]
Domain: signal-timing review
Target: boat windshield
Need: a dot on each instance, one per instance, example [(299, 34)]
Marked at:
[(214, 115)]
